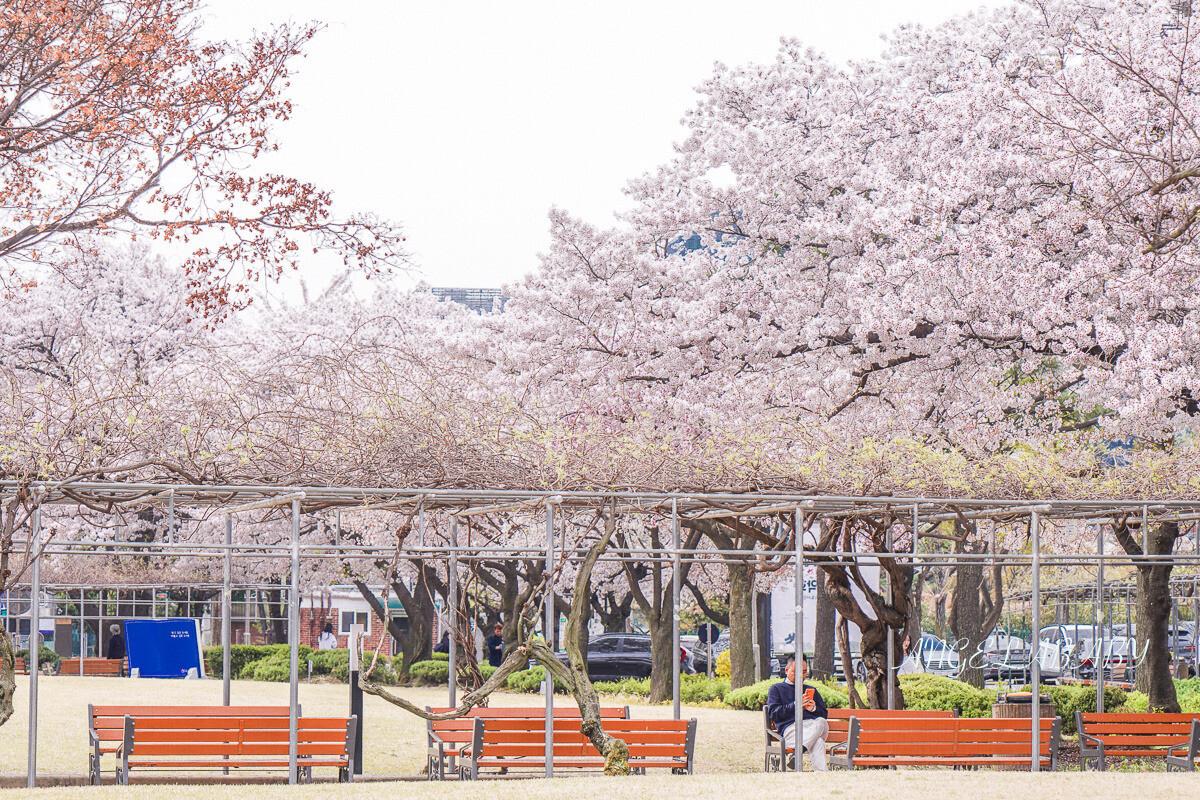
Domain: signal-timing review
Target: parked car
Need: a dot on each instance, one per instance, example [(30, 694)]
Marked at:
[(700, 651), (1006, 657), (1074, 650), (612, 656), (934, 656)]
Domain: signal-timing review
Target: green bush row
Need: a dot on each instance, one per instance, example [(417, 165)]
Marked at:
[(1068, 699), (273, 663)]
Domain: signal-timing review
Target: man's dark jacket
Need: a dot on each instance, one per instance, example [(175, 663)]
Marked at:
[(781, 704)]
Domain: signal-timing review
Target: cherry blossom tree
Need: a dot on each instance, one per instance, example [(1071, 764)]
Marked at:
[(121, 117)]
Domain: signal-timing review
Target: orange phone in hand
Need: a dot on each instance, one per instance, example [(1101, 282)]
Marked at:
[(808, 696)]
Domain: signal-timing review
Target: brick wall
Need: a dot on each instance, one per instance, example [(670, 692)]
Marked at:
[(313, 620)]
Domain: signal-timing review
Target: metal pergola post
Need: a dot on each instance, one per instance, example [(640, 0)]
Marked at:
[(891, 639), (1035, 650), (676, 578), (82, 634), (226, 609), (798, 621), (452, 617), (548, 686), (294, 644), (35, 644), (1098, 620)]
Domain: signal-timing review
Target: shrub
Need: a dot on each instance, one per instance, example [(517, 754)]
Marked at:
[(928, 692), (440, 657), (530, 680), (694, 689), (328, 662), (45, 656), (429, 673), (723, 668), (1188, 692), (637, 687), (242, 655), (1134, 701), (269, 669)]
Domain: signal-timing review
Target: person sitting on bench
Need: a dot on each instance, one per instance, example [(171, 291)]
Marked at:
[(781, 708)]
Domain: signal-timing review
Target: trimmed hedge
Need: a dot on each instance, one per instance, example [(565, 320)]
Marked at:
[(437, 673), (1068, 699), (272, 662), (530, 680), (240, 655), (429, 673), (693, 689), (935, 692), (1188, 692)]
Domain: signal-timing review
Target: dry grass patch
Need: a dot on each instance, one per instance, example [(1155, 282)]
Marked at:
[(393, 740)]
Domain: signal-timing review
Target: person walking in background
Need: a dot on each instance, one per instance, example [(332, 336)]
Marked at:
[(116, 643), (495, 646), (328, 639), (781, 708)]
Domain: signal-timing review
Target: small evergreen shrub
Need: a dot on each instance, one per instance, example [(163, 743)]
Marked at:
[(935, 692), (1068, 699), (429, 673), (45, 656)]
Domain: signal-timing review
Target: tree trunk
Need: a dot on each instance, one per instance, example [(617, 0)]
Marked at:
[(8, 677), (1154, 614), (764, 633), (823, 643), (966, 620), (741, 647), (970, 622), (417, 644)]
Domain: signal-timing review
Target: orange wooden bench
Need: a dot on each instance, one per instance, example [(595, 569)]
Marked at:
[(509, 744), (231, 742), (967, 742), (447, 737), (106, 667), (20, 665), (839, 730), (1139, 735), (106, 724)]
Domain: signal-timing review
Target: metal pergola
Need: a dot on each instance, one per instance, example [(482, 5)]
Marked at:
[(678, 507)]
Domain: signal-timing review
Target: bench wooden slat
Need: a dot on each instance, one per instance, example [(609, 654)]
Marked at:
[(1138, 718), (261, 763), (947, 742), (449, 738), (185, 740), (1175, 737), (191, 711), (91, 666), (515, 744), (107, 723)]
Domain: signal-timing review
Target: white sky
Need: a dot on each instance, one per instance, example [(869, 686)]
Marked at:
[(466, 121)]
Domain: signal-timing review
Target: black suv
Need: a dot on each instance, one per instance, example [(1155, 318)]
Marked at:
[(612, 656)]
